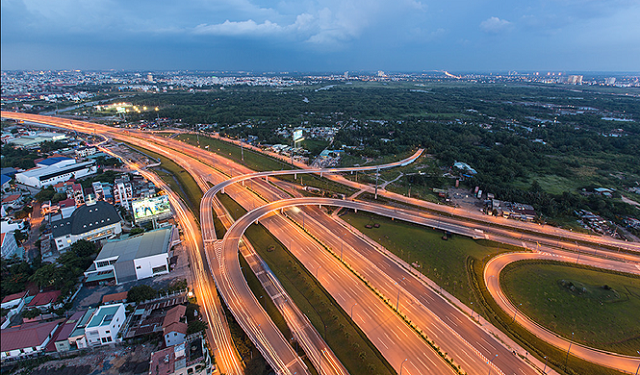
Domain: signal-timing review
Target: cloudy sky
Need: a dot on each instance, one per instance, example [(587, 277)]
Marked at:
[(322, 35)]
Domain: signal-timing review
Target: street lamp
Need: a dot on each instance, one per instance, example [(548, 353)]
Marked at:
[(544, 371), (638, 364), (568, 351), (402, 365), (516, 313), (398, 299), (351, 314), (490, 363)]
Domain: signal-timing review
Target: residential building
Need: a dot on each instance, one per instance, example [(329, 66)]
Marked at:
[(83, 152), (134, 258), (43, 301), (189, 358), (128, 188), (91, 222), (14, 303), (27, 339), (6, 180), (77, 338), (174, 329), (10, 247), (60, 341), (105, 324), (110, 299)]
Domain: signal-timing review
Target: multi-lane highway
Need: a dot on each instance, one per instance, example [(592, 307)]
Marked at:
[(469, 345)]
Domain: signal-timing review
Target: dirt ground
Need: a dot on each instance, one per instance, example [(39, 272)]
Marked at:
[(464, 198), (106, 360)]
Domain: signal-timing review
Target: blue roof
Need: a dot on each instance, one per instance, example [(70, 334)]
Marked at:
[(52, 161), (5, 179)]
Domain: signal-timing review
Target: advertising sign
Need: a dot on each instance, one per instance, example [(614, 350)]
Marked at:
[(151, 208), (297, 135)]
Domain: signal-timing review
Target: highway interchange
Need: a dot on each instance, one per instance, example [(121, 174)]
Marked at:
[(443, 320)]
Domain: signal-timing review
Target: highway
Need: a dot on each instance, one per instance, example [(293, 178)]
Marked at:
[(407, 288)]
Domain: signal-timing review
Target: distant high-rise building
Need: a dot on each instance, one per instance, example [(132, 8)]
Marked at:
[(381, 73), (150, 77), (346, 75), (610, 81), (574, 80)]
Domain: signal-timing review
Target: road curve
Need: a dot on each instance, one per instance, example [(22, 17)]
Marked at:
[(400, 163), (492, 272)]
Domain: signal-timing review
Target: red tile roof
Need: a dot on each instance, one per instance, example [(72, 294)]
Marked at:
[(11, 198), (26, 335), (174, 315), (175, 327), (44, 298), (11, 297), (114, 297)]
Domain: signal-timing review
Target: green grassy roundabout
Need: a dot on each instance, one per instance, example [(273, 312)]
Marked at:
[(600, 308)]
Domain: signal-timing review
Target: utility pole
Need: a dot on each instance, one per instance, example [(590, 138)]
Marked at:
[(377, 175)]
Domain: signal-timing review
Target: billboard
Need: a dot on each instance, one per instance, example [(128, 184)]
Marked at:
[(297, 135), (151, 208)]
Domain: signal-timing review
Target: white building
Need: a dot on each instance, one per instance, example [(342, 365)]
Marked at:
[(54, 170), (135, 258), (94, 221), (10, 246), (105, 324)]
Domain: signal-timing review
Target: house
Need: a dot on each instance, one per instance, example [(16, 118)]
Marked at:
[(109, 299), (60, 341), (44, 300), (6, 180), (26, 339), (14, 303), (13, 201), (92, 222), (173, 329), (189, 358), (66, 207), (10, 246), (134, 258), (77, 338), (105, 324)]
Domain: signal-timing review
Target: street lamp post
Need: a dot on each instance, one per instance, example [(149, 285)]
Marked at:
[(544, 371), (566, 361), (402, 365), (491, 362), (351, 314), (638, 369), (516, 313)]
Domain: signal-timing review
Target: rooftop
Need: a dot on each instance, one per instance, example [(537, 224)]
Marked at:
[(26, 335), (140, 246), (54, 160), (114, 297), (104, 315), (44, 298), (13, 296), (86, 218)]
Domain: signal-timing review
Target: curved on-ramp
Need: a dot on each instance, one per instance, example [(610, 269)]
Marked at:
[(496, 265)]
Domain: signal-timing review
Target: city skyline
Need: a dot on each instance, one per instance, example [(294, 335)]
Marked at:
[(551, 35)]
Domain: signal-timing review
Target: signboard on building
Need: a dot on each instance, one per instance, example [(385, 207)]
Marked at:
[(297, 135), (151, 208)]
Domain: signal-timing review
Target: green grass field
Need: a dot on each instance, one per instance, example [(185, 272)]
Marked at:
[(254, 160), (443, 261), (348, 342), (601, 308)]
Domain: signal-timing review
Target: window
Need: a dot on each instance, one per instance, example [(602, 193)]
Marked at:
[(162, 268), (175, 334), (107, 332)]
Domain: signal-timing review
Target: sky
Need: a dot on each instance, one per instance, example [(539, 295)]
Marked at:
[(321, 35)]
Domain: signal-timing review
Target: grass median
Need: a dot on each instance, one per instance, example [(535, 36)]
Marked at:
[(347, 341), (599, 307)]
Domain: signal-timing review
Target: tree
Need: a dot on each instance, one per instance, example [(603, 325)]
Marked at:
[(135, 231), (140, 293), (48, 276), (45, 194), (196, 326), (57, 197), (31, 313)]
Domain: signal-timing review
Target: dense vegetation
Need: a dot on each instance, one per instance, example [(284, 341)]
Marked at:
[(532, 144)]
